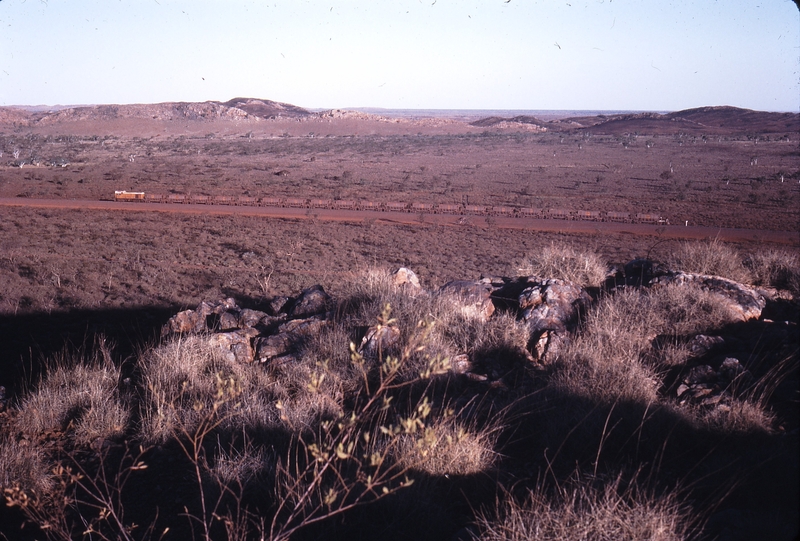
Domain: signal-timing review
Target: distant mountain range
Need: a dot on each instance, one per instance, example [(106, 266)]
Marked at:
[(235, 109), (705, 120)]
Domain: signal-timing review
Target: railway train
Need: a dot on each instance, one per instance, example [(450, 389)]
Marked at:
[(394, 206)]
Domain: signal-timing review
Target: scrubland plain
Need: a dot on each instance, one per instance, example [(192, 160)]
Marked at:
[(111, 431)]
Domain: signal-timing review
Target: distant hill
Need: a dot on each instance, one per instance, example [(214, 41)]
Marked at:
[(702, 120), (266, 108), (235, 109), (496, 120)]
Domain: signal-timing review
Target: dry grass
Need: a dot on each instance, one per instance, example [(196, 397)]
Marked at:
[(181, 381), (579, 511), (776, 268), (711, 257), (304, 441), (81, 400), (614, 356), (565, 262), (25, 466), (446, 447)]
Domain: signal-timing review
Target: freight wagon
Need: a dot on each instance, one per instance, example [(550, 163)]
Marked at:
[(622, 217), (590, 215), (176, 198), (448, 208), (396, 207), (270, 202), (560, 214)]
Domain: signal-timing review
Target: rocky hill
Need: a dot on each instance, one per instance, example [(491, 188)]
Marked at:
[(235, 109), (703, 120)]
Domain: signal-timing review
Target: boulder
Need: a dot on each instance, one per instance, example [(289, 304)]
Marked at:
[(702, 344), (287, 339), (235, 345), (746, 302), (638, 272), (407, 281), (552, 305), (312, 301), (378, 340), (228, 321), (250, 318), (278, 304), (207, 308), (549, 345), (187, 321), (473, 296)]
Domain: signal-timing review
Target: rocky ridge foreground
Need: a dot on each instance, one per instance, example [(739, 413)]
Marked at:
[(550, 309)]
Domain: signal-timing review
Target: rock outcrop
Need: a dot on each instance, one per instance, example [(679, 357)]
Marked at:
[(745, 301)]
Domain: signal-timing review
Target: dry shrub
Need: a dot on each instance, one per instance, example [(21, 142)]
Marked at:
[(24, 466), (737, 416), (182, 381), (710, 257), (579, 511), (614, 355), (776, 268), (446, 447), (82, 400), (564, 262)]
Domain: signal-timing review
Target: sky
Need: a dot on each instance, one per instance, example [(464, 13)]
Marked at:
[(644, 55)]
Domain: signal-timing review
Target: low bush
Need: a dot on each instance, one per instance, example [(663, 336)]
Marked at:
[(577, 510), (711, 257), (565, 262)]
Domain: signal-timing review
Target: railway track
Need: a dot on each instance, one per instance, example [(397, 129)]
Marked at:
[(791, 238), (394, 206)]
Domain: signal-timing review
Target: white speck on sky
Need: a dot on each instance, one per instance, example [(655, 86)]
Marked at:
[(411, 54)]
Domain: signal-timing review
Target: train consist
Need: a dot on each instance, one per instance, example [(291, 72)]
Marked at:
[(394, 206)]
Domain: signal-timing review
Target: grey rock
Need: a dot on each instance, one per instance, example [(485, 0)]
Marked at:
[(701, 374), (702, 344), (187, 321), (552, 305), (473, 296), (379, 340), (312, 301), (744, 301), (407, 281), (250, 318), (236, 345)]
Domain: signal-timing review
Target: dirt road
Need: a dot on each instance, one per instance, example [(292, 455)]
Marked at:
[(566, 226)]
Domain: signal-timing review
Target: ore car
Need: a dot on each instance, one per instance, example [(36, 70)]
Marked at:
[(370, 205), (396, 207), (176, 198), (423, 207), (480, 210), (448, 208), (201, 199), (246, 200), (615, 216), (560, 214), (320, 203), (590, 215), (648, 218), (270, 202)]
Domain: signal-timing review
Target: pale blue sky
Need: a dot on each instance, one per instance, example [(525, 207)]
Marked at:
[(415, 54)]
